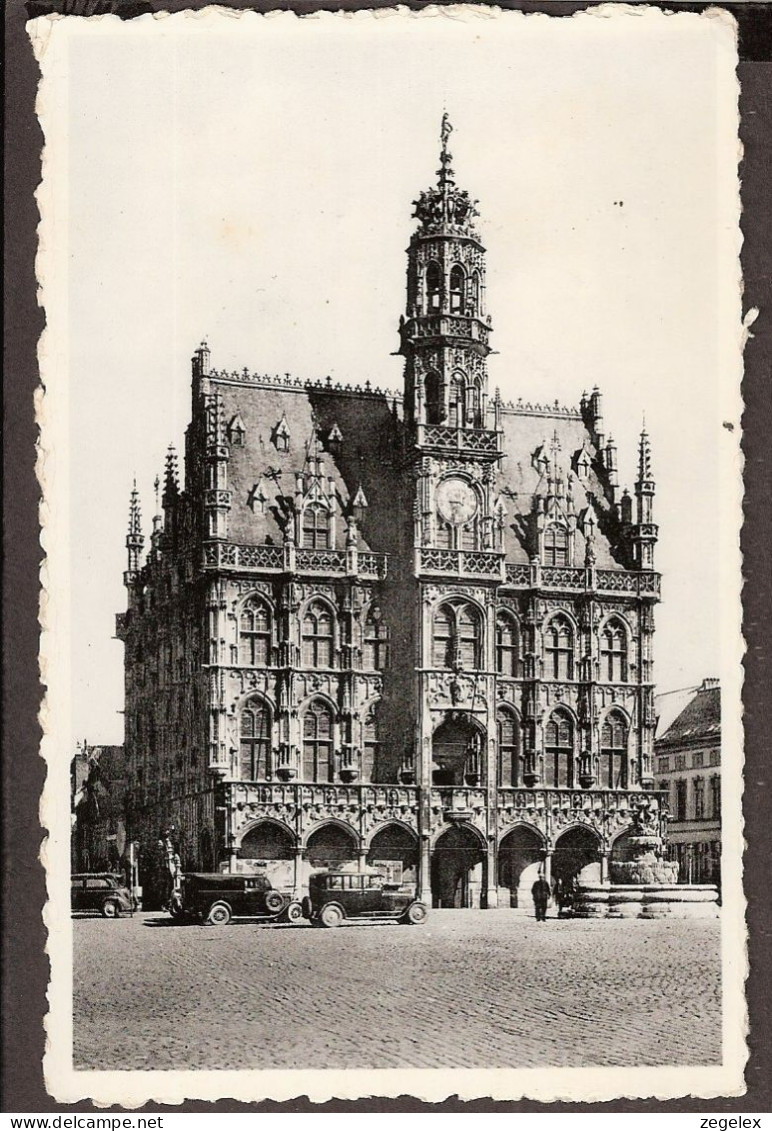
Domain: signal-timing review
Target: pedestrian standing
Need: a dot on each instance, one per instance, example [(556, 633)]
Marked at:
[(541, 894)]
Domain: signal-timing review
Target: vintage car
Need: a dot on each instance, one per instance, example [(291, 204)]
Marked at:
[(335, 896), (105, 892), (217, 897)]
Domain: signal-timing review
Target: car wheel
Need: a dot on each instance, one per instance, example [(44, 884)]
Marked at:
[(274, 901), (219, 915), (416, 913), (110, 909), (331, 915), (306, 907), (294, 913)]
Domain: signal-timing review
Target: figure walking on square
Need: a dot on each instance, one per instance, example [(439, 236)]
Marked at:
[(541, 894)]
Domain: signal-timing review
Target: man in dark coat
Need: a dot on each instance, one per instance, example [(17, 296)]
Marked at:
[(541, 894)]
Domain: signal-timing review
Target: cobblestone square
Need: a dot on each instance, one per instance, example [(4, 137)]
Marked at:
[(468, 989)]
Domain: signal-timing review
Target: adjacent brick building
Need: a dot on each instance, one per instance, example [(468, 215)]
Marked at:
[(688, 767), (412, 630)]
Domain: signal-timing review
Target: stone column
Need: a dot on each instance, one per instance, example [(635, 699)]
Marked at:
[(491, 887), (297, 872), (604, 868), (424, 883), (548, 866)]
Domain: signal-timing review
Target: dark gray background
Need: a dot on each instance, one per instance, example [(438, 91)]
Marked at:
[(24, 965)]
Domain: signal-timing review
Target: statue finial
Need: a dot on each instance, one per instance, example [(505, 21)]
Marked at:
[(446, 129)]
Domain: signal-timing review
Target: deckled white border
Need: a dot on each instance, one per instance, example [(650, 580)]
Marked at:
[(133, 1088)]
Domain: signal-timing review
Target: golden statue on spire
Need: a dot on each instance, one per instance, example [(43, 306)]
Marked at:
[(446, 129)]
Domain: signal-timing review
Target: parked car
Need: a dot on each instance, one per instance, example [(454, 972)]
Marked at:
[(217, 897), (105, 892), (359, 896)]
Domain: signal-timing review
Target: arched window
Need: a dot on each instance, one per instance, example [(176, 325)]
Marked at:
[(457, 405), (375, 654), (317, 636), (555, 545), (507, 645), (442, 638), (255, 740), (457, 637), (470, 535), (475, 293), (445, 534), (317, 742), (457, 280), (559, 751), (255, 633), (613, 653), (559, 650), (316, 528), (613, 751), (369, 747), (433, 287), (473, 405), (469, 637), (509, 748), (433, 390)]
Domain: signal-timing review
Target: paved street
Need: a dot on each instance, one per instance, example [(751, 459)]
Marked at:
[(468, 989)]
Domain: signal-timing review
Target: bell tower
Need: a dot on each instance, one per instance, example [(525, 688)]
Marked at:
[(444, 335)]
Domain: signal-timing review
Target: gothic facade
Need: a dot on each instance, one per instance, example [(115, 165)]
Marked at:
[(415, 631)]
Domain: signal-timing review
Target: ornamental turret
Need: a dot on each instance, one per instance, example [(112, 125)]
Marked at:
[(444, 335), (135, 539), (645, 530)]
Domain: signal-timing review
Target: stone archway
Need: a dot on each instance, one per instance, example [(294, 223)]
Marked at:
[(394, 850), (576, 857), (458, 746), (458, 869), (331, 846), (521, 853), (269, 849)]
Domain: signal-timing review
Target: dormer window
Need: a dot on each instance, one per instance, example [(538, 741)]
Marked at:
[(281, 436), (457, 280), (555, 545), (236, 432), (316, 528)]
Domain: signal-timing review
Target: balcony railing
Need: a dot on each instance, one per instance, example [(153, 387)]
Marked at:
[(470, 563), (574, 579), (474, 440), (277, 559), (582, 800)]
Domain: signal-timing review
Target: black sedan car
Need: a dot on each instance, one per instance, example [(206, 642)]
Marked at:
[(105, 892), (217, 897), (360, 897)]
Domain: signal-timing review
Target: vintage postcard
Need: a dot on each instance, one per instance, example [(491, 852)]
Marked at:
[(390, 456)]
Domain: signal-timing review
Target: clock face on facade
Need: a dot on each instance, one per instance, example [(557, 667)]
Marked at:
[(456, 501)]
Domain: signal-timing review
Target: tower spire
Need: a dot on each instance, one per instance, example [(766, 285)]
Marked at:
[(134, 537), (645, 533)]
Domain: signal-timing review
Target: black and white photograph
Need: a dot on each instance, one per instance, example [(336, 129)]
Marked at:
[(390, 457)]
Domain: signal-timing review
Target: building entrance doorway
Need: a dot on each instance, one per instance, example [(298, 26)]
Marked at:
[(458, 869), (520, 856)]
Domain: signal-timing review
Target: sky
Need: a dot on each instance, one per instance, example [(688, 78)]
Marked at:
[(250, 181)]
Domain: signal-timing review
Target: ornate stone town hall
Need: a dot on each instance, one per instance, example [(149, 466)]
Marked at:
[(415, 631)]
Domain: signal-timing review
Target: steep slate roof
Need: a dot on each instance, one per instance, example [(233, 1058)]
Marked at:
[(370, 425), (524, 433), (699, 721), (367, 426)]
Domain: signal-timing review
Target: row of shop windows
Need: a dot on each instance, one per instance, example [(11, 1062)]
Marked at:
[(704, 802), (457, 748), (457, 641)]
